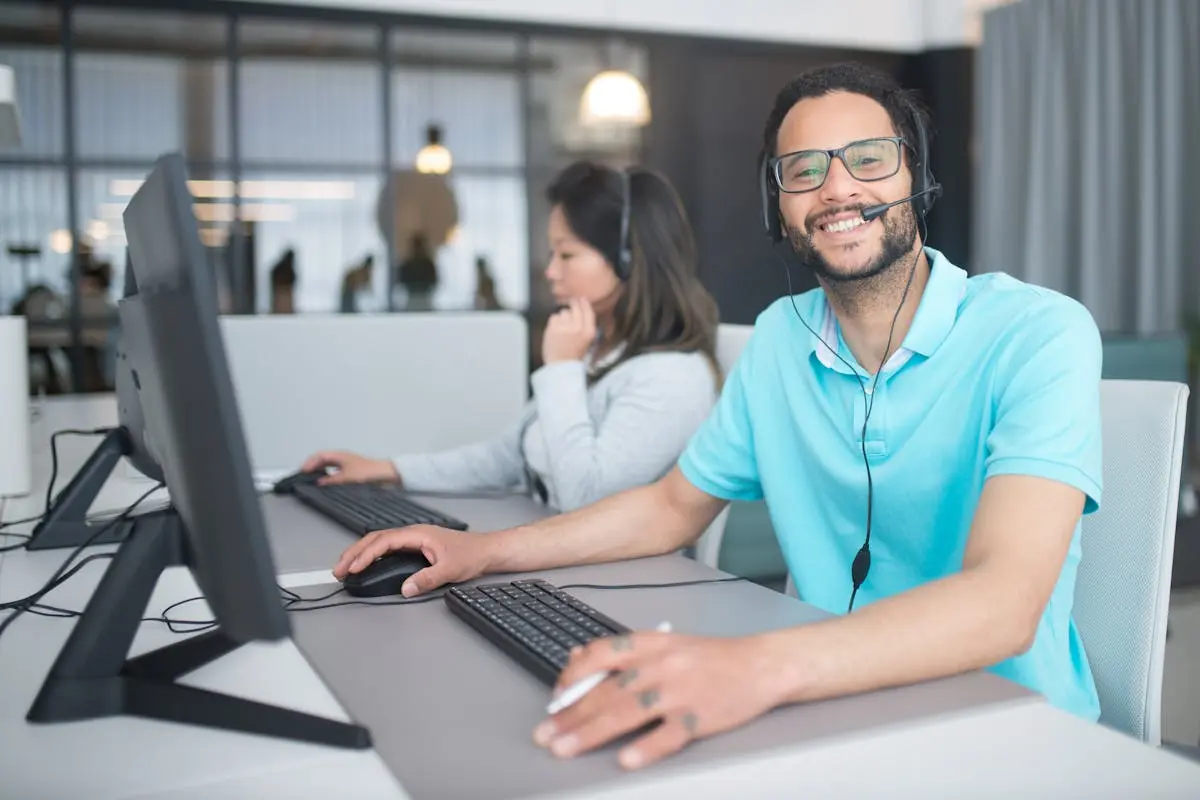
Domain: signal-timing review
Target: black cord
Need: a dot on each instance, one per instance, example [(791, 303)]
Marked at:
[(54, 455), (700, 582), (15, 545), (291, 599), (49, 489), (861, 564), (55, 583), (20, 606)]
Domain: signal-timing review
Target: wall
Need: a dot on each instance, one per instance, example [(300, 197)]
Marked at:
[(904, 26)]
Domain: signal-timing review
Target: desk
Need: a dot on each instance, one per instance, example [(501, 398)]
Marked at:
[(970, 735)]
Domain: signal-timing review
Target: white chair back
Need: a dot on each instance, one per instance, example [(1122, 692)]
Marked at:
[(1124, 582), (731, 340), (378, 384)]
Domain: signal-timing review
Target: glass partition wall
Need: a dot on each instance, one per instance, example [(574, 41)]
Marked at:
[(340, 162)]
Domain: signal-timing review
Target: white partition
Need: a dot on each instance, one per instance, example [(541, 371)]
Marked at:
[(377, 384)]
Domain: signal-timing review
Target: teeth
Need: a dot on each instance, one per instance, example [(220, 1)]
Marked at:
[(843, 225)]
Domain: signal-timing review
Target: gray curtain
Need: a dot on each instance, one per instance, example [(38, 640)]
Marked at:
[(1088, 125)]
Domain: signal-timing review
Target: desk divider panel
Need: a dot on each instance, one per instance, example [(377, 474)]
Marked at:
[(378, 384)]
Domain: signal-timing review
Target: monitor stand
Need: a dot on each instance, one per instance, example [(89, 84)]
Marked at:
[(65, 523), (94, 678)]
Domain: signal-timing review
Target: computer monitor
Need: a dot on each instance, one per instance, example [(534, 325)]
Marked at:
[(65, 523), (191, 425)]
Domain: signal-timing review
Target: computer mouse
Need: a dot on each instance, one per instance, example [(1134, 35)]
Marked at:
[(386, 575), (285, 484)]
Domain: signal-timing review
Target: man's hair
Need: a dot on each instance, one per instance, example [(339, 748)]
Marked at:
[(902, 106)]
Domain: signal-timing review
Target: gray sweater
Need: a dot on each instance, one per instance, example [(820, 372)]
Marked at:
[(582, 443)]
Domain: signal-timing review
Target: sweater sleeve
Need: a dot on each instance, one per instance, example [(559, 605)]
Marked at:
[(488, 465), (657, 403)]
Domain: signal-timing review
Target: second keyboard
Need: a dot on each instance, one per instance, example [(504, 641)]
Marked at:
[(366, 507)]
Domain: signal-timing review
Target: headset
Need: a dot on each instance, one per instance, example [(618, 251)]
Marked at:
[(624, 249), (925, 191)]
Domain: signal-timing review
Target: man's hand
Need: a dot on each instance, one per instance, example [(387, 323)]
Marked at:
[(569, 332), (453, 556), (695, 686)]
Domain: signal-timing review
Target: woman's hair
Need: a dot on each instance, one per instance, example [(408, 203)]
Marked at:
[(664, 306)]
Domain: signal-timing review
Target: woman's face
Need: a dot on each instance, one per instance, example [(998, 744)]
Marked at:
[(576, 269)]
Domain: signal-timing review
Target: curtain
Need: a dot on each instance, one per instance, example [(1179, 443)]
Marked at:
[(1088, 125)]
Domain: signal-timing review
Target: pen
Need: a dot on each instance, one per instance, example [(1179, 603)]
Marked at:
[(578, 690)]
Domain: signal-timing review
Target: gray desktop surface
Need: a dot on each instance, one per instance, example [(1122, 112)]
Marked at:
[(452, 716)]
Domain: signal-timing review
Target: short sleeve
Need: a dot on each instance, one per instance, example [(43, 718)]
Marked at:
[(719, 459), (1047, 403)]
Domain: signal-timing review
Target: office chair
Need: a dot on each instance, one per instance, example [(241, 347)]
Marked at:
[(731, 340), (1124, 581)]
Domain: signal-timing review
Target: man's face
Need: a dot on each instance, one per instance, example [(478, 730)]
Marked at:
[(825, 224)]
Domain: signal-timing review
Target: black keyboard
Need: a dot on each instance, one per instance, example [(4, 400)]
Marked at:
[(532, 621), (366, 507)]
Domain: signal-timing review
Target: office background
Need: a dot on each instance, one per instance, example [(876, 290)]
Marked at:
[(1062, 143), (319, 114)]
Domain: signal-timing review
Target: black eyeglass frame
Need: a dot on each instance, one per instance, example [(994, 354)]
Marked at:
[(840, 154)]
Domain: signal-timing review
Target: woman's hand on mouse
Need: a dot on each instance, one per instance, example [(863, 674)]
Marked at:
[(569, 332), (351, 467), (453, 556)]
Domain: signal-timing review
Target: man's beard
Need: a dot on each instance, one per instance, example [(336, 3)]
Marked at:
[(879, 275)]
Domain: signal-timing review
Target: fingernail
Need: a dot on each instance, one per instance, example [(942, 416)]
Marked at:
[(564, 745), (630, 758), (543, 733), (407, 589)]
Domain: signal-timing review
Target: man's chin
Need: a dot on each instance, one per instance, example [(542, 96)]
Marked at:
[(845, 271)]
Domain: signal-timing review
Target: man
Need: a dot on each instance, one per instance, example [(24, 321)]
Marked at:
[(982, 434)]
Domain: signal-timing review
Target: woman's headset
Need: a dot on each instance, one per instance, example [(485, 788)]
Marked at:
[(624, 250)]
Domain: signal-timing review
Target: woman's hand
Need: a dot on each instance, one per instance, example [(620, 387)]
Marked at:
[(569, 332), (351, 468)]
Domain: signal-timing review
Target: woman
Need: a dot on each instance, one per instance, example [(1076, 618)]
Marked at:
[(629, 359)]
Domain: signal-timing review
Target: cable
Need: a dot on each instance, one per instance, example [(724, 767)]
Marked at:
[(292, 599), (55, 583), (49, 488), (54, 455), (15, 545), (861, 564), (700, 582), (22, 605)]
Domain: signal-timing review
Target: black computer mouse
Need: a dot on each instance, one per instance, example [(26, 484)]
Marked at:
[(386, 575), (285, 484)]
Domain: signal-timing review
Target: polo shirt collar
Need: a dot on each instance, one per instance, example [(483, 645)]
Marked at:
[(934, 319)]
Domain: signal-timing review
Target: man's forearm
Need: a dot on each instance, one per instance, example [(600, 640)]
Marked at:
[(960, 623), (632, 524)]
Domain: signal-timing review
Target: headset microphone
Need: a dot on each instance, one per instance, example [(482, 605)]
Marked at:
[(871, 212)]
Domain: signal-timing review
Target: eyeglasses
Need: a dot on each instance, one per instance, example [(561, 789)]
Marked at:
[(865, 160)]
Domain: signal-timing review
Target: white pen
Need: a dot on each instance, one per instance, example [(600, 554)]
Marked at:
[(578, 690)]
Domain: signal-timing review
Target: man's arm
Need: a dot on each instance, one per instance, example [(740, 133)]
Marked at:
[(701, 686), (983, 615), (646, 521)]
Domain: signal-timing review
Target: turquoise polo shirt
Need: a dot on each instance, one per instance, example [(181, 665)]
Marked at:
[(995, 377)]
